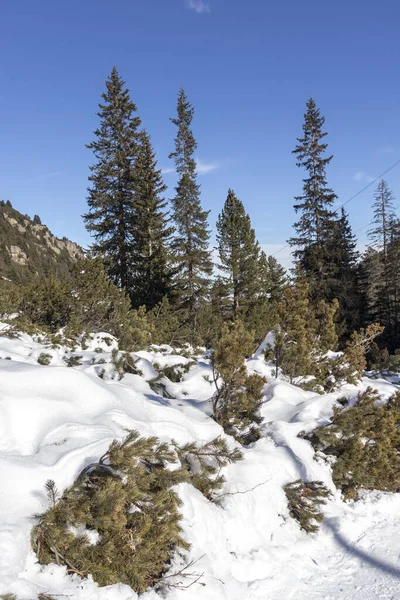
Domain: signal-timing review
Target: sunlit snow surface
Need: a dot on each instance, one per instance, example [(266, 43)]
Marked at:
[(55, 420)]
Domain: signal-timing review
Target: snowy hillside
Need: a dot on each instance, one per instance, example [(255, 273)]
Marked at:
[(55, 420)]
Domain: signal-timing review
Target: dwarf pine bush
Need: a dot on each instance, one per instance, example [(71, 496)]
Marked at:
[(204, 464), (238, 395), (304, 501), (365, 439), (44, 359), (128, 501), (120, 520)]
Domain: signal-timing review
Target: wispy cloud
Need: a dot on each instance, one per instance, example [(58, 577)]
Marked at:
[(45, 176), (204, 167), (387, 149), (167, 170), (198, 6), (362, 176)]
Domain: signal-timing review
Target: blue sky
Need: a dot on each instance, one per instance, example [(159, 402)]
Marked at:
[(248, 67)]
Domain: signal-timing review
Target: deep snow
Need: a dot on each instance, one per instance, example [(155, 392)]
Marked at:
[(55, 420)]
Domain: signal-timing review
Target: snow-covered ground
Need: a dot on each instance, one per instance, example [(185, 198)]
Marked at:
[(54, 420)]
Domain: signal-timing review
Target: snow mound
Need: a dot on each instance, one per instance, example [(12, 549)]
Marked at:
[(55, 420)]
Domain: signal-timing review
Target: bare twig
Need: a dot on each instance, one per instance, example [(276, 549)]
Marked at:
[(243, 491), (183, 573)]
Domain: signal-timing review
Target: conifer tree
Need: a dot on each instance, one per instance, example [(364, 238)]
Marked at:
[(391, 291), (343, 283), (315, 204), (190, 245), (384, 213), (381, 285), (110, 199), (387, 288), (238, 253), (151, 277), (273, 279), (370, 276)]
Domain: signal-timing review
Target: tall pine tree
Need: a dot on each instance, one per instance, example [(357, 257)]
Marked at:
[(273, 279), (238, 254), (384, 214), (380, 269), (190, 245), (343, 280), (314, 227), (151, 232), (110, 199)]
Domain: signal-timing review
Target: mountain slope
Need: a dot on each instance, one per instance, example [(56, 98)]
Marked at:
[(28, 249)]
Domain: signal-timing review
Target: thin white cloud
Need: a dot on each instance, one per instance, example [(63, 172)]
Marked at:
[(45, 176), (198, 6), (203, 167), (168, 170), (387, 149), (362, 176)]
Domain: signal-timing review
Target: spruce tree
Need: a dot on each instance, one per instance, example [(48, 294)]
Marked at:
[(370, 276), (190, 245), (392, 288), (151, 277), (343, 283), (110, 199), (314, 228), (387, 302), (380, 268), (238, 253), (384, 213), (273, 279)]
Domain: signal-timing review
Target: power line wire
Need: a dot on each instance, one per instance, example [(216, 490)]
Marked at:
[(353, 197)]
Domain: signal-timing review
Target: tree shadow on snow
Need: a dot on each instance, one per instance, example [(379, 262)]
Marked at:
[(362, 555)]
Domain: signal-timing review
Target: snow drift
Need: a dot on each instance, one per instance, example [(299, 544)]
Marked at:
[(56, 420)]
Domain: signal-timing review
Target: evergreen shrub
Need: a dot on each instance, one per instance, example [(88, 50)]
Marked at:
[(365, 441)]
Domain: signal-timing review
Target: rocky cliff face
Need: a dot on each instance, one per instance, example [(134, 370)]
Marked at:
[(28, 249)]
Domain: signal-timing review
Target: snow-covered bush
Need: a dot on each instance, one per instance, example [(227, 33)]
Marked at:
[(86, 302), (44, 359), (120, 520), (238, 395), (204, 464), (365, 439)]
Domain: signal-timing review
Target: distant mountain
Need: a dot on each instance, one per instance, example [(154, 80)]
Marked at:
[(28, 249)]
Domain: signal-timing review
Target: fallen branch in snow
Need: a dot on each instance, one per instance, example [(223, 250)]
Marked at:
[(69, 565), (182, 573), (244, 491), (45, 596)]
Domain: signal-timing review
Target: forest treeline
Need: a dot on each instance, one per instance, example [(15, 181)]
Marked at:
[(153, 258)]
